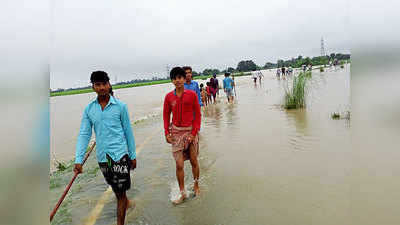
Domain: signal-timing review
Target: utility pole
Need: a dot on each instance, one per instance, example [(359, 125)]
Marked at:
[(322, 47), (167, 71)]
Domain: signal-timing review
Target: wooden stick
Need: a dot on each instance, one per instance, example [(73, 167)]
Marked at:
[(69, 185)]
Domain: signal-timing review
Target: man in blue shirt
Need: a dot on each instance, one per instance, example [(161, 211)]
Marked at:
[(191, 84), (115, 151), (228, 86)]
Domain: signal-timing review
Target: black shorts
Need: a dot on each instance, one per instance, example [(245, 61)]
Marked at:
[(117, 174)]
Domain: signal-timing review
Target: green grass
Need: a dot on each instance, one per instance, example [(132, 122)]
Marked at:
[(63, 215), (338, 116), (120, 86), (335, 116), (295, 95), (241, 74), (342, 62), (321, 69)]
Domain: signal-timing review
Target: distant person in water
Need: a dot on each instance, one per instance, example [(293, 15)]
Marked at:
[(228, 87), (190, 84), (212, 90), (208, 90), (254, 76), (278, 72), (115, 144), (203, 94), (259, 76), (216, 84), (182, 132), (283, 71), (290, 71)]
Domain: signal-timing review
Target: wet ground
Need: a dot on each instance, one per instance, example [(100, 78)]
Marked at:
[(260, 164)]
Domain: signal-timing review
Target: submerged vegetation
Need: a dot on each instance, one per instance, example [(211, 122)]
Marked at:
[(338, 116), (342, 64), (335, 116), (295, 95)]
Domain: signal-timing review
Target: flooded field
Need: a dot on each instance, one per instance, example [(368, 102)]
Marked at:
[(259, 163)]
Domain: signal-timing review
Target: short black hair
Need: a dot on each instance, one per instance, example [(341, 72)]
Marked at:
[(227, 74), (201, 85), (187, 68), (177, 72), (99, 76)]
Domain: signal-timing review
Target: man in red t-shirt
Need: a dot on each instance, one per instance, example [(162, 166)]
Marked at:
[(182, 133)]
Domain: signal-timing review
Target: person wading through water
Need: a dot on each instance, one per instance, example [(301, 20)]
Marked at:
[(214, 87), (216, 84), (182, 134), (190, 84), (115, 151), (228, 86)]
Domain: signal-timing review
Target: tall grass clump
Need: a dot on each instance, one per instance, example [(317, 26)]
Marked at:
[(295, 95), (321, 69)]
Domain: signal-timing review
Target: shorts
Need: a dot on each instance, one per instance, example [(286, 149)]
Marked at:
[(229, 92), (117, 174)]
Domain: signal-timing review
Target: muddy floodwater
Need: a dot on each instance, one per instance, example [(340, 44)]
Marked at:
[(259, 163)]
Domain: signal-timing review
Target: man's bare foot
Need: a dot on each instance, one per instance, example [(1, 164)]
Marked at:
[(180, 200), (196, 189)]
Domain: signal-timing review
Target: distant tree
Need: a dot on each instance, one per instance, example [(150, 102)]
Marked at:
[(280, 63), (248, 65), (269, 65), (230, 70), (215, 71), (210, 71), (307, 60)]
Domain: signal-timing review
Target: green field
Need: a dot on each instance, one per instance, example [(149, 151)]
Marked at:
[(119, 86)]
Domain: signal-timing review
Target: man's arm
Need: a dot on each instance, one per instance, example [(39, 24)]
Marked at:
[(198, 94), (197, 118), (130, 139), (166, 115), (85, 133), (167, 119)]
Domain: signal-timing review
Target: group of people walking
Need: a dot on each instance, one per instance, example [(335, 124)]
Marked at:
[(116, 149), (210, 92), (284, 71)]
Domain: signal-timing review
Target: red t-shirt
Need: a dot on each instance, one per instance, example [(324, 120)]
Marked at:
[(208, 90), (185, 111)]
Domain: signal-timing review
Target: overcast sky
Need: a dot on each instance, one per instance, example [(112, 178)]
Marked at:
[(138, 39)]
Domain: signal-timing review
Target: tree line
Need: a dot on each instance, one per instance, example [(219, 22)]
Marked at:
[(244, 66), (249, 65)]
